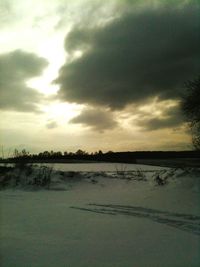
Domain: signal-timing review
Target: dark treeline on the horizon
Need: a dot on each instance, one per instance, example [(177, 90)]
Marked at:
[(110, 156)]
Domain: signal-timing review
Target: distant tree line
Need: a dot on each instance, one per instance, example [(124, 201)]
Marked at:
[(56, 154), (110, 156)]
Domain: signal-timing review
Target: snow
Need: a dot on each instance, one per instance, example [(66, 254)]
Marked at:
[(103, 218)]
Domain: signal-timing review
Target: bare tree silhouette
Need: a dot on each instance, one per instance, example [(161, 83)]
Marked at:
[(191, 109)]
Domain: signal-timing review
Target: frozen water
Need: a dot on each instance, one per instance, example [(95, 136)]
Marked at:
[(97, 167)]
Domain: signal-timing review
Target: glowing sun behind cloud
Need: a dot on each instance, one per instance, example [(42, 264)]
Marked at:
[(61, 112)]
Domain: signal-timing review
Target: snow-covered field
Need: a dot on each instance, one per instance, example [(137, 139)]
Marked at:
[(115, 216)]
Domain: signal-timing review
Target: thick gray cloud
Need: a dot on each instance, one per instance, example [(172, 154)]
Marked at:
[(171, 118), (146, 53), (97, 119), (15, 69)]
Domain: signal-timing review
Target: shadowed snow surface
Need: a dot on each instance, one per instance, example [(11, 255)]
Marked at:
[(104, 220)]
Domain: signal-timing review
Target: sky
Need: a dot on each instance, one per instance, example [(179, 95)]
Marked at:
[(96, 74)]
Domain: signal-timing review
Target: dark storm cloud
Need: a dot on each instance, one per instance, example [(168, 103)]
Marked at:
[(15, 69), (171, 118), (146, 53), (99, 120)]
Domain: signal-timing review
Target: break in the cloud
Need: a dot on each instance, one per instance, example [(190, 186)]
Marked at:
[(96, 119), (170, 117), (144, 53), (16, 68)]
